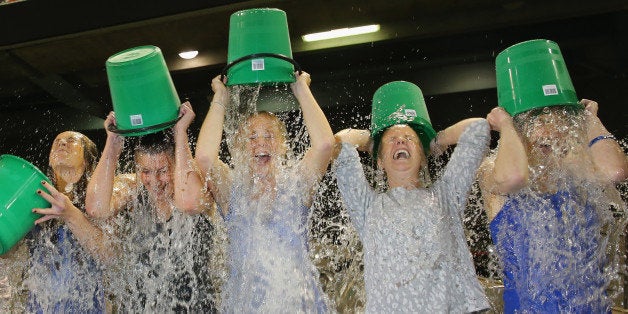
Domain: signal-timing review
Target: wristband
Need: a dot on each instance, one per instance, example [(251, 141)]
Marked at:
[(601, 137)]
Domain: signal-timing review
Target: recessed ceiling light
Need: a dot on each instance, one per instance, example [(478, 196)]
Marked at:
[(341, 32), (188, 54)]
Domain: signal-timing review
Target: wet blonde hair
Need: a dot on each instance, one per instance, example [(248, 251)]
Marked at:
[(240, 141)]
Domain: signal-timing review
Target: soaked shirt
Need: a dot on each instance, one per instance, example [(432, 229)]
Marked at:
[(416, 258), (63, 278), (552, 253), (165, 264), (268, 260)]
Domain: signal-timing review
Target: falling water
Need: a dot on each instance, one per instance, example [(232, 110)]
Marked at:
[(581, 238)]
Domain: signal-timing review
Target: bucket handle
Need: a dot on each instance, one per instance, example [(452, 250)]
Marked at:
[(115, 129), (297, 67)]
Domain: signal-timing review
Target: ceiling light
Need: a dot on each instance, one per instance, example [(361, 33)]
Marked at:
[(188, 54), (341, 32)]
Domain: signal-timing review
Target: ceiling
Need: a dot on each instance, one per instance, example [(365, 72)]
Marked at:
[(52, 55)]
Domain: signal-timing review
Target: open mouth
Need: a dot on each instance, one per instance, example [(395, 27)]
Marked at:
[(401, 154), (262, 157)]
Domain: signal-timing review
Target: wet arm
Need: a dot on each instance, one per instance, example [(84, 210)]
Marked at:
[(355, 189), (449, 136), (99, 195), (460, 172), (318, 155), (98, 243), (208, 146), (188, 195), (607, 154), (360, 139), (508, 172)]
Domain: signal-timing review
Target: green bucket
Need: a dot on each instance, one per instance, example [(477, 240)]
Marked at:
[(18, 196), (259, 48), (400, 102), (532, 74), (144, 97)]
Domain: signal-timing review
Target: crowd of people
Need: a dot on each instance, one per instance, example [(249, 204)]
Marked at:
[(139, 240)]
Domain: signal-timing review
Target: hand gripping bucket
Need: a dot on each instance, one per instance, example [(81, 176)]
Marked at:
[(18, 196), (259, 48), (144, 97), (532, 74), (400, 102)]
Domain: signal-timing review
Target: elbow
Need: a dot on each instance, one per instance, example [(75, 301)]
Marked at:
[(96, 209), (326, 147), (91, 207), (188, 206), (512, 182), (203, 162), (618, 175)]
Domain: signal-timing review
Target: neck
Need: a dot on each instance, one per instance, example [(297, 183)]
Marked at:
[(404, 180), (66, 175), (163, 208)]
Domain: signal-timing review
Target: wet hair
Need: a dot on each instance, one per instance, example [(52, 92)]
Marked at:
[(155, 143), (276, 121), (90, 156), (572, 116)]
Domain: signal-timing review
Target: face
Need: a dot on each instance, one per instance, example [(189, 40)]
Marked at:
[(155, 173), (67, 151), (549, 134), (264, 142), (400, 150)]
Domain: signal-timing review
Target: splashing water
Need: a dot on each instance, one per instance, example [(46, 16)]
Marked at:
[(165, 264), (559, 241), (267, 221), (163, 261)]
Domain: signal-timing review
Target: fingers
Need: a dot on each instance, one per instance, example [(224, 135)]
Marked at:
[(49, 198), (46, 211), (303, 76), (49, 187), (218, 83), (590, 106), (45, 218)]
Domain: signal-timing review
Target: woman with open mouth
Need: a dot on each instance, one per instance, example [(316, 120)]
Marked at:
[(265, 201), (416, 258)]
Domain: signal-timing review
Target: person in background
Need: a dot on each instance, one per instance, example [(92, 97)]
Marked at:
[(63, 274)]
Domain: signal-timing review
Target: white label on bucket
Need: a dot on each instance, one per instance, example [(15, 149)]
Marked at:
[(136, 119), (257, 64), (549, 90), (410, 113)]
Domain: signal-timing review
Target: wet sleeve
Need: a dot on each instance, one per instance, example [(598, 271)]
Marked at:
[(460, 173), (355, 189)]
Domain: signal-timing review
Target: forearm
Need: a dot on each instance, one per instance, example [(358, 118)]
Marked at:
[(187, 180), (460, 172), (360, 139), (210, 136), (451, 134), (321, 135), (355, 189), (92, 238), (607, 155), (100, 187), (510, 171)]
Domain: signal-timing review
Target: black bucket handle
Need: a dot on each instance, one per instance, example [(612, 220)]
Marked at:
[(114, 129), (223, 73)]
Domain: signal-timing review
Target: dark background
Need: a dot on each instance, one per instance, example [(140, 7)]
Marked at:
[(52, 55)]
